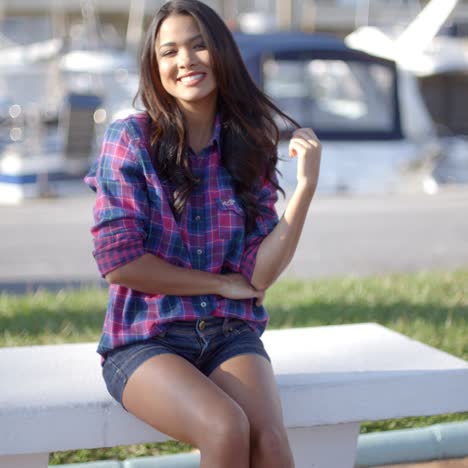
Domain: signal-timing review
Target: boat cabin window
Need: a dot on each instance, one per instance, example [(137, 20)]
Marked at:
[(333, 96)]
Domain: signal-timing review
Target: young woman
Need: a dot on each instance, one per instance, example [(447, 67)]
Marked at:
[(187, 235)]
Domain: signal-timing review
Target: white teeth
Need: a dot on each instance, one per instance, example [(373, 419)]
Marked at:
[(188, 79)]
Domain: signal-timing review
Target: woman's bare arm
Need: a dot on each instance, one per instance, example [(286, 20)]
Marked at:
[(153, 275), (277, 249)]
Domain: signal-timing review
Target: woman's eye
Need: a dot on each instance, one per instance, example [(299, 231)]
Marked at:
[(201, 45), (168, 52)]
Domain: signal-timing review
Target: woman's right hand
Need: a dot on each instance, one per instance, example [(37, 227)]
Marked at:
[(235, 286), (307, 148)]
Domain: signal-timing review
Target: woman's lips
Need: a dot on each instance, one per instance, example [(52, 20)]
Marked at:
[(193, 80)]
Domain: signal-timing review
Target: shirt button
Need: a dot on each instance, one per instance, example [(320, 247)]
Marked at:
[(197, 218), (199, 251), (203, 304)]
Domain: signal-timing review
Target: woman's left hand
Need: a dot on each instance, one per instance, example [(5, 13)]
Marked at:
[(306, 147), (260, 298)]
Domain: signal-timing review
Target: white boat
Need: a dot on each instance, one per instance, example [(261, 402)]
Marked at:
[(438, 63), (376, 131), (81, 86)]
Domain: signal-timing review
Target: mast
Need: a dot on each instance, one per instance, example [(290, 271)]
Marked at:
[(136, 16), (422, 30)]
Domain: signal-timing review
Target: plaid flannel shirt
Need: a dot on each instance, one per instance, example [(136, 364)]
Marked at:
[(133, 217)]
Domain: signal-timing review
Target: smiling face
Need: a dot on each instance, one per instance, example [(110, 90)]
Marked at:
[(184, 62)]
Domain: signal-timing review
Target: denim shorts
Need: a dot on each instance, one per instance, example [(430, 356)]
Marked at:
[(206, 343)]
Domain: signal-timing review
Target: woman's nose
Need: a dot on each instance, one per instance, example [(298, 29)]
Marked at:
[(186, 58)]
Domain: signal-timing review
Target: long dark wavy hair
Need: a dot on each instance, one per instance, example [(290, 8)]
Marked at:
[(249, 134)]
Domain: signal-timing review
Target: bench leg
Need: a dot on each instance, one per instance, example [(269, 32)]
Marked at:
[(324, 446), (33, 460)]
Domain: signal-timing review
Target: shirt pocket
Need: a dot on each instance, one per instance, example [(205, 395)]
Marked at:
[(230, 219)]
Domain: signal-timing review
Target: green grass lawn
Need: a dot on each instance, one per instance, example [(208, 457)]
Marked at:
[(429, 307)]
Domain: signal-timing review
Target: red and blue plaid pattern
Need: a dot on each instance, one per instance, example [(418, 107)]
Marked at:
[(133, 217)]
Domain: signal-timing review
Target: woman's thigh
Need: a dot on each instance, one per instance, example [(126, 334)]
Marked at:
[(250, 381), (174, 397)]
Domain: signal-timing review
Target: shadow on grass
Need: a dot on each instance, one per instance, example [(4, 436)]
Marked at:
[(32, 287), (61, 315), (35, 319), (52, 321), (314, 314)]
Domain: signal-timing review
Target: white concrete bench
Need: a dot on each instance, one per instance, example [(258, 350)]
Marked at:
[(53, 398)]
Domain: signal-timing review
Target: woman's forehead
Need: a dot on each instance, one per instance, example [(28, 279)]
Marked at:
[(177, 29)]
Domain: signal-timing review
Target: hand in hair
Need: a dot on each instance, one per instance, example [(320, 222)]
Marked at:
[(305, 145)]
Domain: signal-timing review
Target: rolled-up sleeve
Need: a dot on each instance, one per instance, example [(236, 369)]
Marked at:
[(121, 211), (264, 224)]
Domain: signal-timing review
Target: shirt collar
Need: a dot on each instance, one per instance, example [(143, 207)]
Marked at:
[(215, 140)]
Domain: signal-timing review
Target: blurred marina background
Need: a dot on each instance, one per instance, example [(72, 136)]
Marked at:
[(382, 82)]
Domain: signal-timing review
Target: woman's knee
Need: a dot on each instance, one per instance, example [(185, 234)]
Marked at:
[(270, 448), (228, 427)]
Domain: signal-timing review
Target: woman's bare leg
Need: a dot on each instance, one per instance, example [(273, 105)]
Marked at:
[(250, 381), (175, 398)]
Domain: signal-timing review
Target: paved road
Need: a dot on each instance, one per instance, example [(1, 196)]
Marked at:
[(47, 242), (460, 463)]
